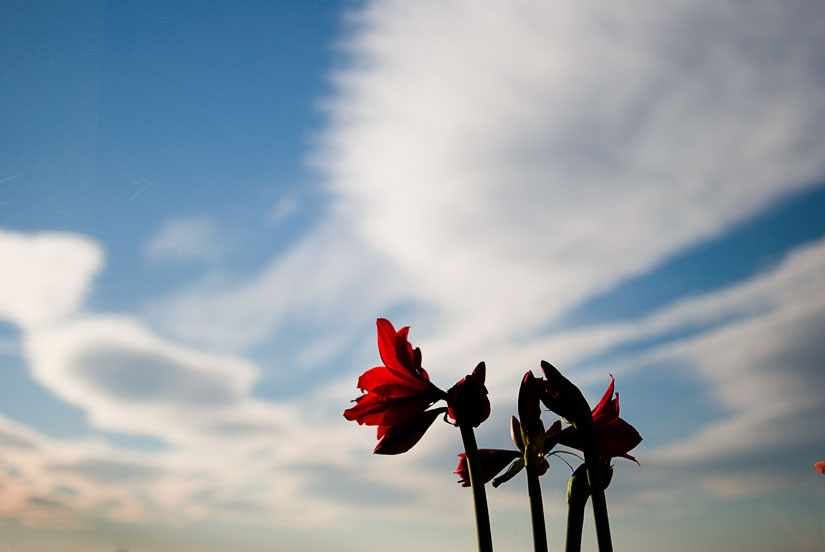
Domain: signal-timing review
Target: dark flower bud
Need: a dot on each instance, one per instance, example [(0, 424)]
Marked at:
[(564, 398), (529, 409), (467, 400)]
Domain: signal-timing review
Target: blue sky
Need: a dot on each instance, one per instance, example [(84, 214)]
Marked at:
[(205, 206)]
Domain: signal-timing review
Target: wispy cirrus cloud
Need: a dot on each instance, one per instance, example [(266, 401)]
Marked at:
[(509, 169), (186, 240)]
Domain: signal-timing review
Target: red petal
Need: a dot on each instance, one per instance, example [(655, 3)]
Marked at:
[(381, 376), (616, 438), (402, 437), (375, 409), (404, 351), (569, 437), (396, 352), (607, 407), (492, 462), (386, 345)]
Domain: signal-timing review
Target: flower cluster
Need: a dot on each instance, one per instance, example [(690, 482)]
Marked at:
[(614, 436), (399, 398)]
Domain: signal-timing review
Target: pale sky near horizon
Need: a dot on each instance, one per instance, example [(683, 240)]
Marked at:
[(204, 206)]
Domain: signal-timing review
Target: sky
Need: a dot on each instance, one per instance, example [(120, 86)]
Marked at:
[(205, 206)]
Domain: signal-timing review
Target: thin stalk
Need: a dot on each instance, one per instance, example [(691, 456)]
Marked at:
[(536, 508), (485, 538), (575, 522), (594, 478), (577, 493)]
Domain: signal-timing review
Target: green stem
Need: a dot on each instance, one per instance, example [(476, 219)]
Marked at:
[(594, 478), (536, 509), (577, 494), (575, 522), (485, 538)]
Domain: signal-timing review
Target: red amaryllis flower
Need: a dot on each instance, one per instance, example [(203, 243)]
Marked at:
[(398, 394), (614, 436), (820, 467)]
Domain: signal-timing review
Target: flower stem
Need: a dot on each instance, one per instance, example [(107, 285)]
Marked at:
[(536, 508), (577, 493), (485, 538), (594, 478), (575, 522)]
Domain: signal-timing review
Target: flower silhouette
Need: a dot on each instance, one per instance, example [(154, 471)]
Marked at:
[(528, 434), (614, 436), (398, 394), (492, 462)]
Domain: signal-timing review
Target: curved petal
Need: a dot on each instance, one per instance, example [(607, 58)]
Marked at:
[(617, 438), (608, 407), (402, 437), (372, 409), (387, 337), (492, 462), (381, 375), (396, 352)]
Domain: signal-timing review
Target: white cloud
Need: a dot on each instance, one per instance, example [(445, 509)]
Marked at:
[(765, 369), (510, 161), (516, 159), (759, 361), (44, 276), (130, 381), (186, 239)]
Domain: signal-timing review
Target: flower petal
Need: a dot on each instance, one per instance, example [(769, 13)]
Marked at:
[(387, 337), (397, 353), (402, 437), (616, 438), (608, 407), (492, 462), (380, 376), (373, 409)]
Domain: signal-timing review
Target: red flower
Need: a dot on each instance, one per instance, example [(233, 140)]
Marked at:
[(398, 394), (820, 467), (614, 436)]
